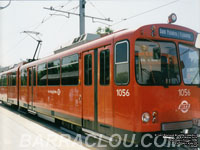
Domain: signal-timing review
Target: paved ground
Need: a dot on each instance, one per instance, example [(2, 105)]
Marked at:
[(19, 133), (25, 132)]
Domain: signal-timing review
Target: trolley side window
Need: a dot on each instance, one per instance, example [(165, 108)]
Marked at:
[(13, 79), (70, 70), (88, 69), (122, 63), (42, 74), (0, 81), (24, 77), (104, 67), (34, 76), (4, 80), (156, 63), (54, 72), (9, 79), (30, 77)]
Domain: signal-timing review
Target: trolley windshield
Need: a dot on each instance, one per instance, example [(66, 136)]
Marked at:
[(190, 64), (156, 63)]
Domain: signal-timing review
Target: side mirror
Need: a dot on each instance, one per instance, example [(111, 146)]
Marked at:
[(156, 53), (197, 43)]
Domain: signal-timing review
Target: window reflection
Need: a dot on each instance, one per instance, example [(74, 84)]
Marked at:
[(190, 64), (156, 63)]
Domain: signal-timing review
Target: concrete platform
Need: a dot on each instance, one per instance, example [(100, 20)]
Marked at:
[(19, 133)]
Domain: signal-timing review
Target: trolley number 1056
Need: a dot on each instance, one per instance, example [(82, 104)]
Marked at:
[(123, 92)]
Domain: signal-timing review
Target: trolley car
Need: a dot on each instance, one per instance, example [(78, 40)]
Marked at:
[(129, 82)]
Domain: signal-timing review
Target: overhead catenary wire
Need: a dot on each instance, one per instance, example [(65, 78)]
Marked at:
[(62, 6), (87, 16), (92, 4), (145, 12), (99, 11), (71, 9), (46, 18), (16, 45)]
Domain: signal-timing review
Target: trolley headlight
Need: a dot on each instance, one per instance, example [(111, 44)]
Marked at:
[(145, 117)]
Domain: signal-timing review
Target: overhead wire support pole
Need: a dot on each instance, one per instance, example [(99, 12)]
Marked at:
[(82, 16)]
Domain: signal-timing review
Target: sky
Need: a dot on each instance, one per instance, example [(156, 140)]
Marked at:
[(20, 16)]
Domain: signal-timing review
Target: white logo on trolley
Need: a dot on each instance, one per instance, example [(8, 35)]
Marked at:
[(54, 92), (184, 106)]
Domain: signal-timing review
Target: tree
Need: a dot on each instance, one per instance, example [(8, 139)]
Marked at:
[(104, 31)]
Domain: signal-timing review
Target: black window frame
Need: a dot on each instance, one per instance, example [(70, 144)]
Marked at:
[(128, 61)]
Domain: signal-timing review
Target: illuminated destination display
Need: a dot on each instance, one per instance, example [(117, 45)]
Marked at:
[(176, 34)]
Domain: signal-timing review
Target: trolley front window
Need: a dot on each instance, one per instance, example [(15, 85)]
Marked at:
[(156, 63), (190, 64)]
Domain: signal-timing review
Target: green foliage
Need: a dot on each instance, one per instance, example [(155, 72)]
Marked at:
[(104, 31)]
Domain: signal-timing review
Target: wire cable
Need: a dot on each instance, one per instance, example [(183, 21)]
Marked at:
[(92, 4), (16, 45), (131, 17), (62, 6), (36, 27)]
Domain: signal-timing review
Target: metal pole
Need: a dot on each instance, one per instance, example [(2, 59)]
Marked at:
[(82, 16), (36, 48)]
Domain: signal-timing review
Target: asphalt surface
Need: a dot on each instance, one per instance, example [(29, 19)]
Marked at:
[(23, 131)]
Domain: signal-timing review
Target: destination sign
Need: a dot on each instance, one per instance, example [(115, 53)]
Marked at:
[(176, 34)]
